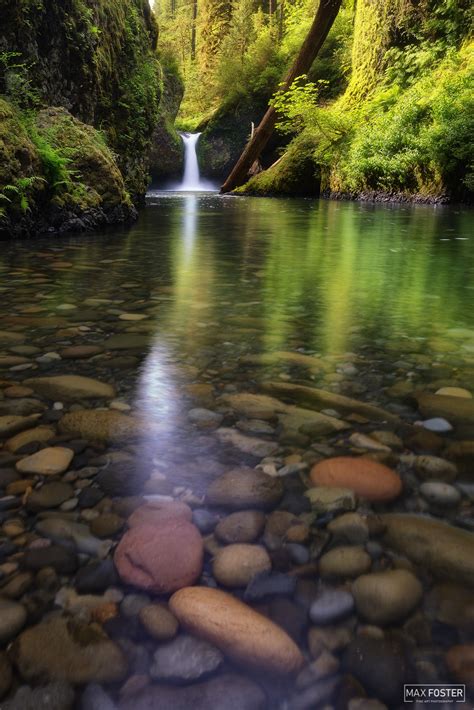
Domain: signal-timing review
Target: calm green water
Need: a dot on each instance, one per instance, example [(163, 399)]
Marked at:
[(382, 295), (221, 277)]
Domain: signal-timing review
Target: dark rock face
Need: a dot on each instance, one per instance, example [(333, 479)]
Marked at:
[(225, 135)]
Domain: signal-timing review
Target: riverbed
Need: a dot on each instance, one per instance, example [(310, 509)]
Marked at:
[(234, 348)]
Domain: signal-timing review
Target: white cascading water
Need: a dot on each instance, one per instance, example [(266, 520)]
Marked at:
[(191, 179)]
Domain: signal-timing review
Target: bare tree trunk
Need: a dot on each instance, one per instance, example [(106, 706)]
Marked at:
[(322, 23)]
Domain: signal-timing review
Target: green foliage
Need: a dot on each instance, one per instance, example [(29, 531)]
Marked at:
[(420, 139), (243, 50), (96, 57), (295, 173), (54, 161), (405, 123), (15, 81), (19, 193)]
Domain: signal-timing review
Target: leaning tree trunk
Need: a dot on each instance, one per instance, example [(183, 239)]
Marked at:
[(322, 23)]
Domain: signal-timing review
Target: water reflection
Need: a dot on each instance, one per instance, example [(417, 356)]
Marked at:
[(263, 274), (324, 274)]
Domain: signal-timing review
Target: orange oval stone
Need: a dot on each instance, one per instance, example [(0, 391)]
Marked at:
[(241, 633), (368, 479)]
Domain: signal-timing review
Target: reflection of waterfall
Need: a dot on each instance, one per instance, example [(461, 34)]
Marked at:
[(189, 226), (191, 179)]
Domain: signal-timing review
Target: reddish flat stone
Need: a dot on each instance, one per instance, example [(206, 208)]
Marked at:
[(368, 479), (160, 558)]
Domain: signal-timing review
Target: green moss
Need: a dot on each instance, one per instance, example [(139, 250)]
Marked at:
[(166, 159), (295, 173), (95, 57), (18, 157), (419, 140), (54, 167), (81, 170), (20, 167)]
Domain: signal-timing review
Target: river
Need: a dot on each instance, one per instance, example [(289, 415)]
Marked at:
[(208, 297)]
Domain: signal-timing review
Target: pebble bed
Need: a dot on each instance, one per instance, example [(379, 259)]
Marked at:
[(227, 527)]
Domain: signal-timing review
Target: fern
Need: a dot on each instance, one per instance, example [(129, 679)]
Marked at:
[(19, 192)]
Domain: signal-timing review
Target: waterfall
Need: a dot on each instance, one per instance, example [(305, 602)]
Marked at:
[(191, 179)]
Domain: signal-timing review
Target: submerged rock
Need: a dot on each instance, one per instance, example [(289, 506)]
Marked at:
[(67, 531), (321, 399), (48, 462), (159, 621), (51, 495), (11, 424), (245, 636), (380, 665), (245, 488), (440, 494), (58, 649), (39, 434), (71, 388), (345, 561), (247, 444), (160, 558), (98, 425), (387, 597), (53, 696), (331, 605), (269, 584), (457, 410), (328, 500), (460, 661), (6, 674), (158, 512), (448, 552), (235, 565), (368, 479), (60, 559), (221, 693), (243, 526), (12, 619), (185, 659)]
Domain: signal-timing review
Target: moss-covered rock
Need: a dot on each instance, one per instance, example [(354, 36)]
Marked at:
[(95, 58), (18, 156), (56, 173), (295, 173)]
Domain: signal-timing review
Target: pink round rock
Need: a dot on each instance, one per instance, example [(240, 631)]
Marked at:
[(156, 513), (160, 558)]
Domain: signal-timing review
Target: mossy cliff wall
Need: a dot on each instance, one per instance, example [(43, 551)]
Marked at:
[(95, 59), (167, 153)]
